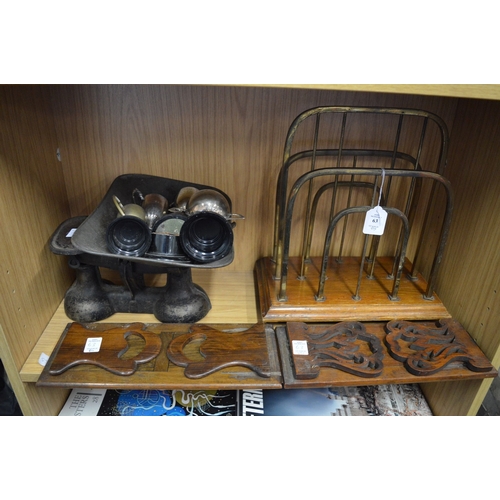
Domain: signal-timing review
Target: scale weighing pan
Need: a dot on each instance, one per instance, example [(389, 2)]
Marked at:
[(90, 237)]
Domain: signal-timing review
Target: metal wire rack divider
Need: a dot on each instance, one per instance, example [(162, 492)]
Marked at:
[(337, 177)]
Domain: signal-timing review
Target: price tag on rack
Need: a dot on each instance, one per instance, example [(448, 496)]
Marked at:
[(375, 220)]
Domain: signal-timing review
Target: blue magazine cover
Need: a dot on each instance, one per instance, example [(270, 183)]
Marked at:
[(176, 403)]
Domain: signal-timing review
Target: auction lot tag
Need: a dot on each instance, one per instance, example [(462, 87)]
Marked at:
[(375, 221), (93, 344), (300, 347), (43, 359)]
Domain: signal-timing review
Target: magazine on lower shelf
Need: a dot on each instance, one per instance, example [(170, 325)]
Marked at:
[(381, 400)]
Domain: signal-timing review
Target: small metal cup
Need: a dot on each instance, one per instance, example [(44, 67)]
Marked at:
[(210, 200), (184, 196), (166, 236), (131, 209), (155, 206)]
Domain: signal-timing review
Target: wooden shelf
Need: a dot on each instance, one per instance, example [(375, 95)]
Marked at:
[(234, 303), (232, 295), (476, 91)]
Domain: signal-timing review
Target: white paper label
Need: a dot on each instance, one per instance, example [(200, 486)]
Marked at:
[(300, 347), (71, 232), (93, 344), (375, 221), (43, 359)]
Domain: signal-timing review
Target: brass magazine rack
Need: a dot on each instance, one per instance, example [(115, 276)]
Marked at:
[(338, 164)]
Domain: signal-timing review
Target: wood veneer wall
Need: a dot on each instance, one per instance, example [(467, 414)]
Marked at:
[(32, 202), (469, 282), (228, 137)]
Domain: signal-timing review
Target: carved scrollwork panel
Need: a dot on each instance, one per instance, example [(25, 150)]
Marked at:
[(425, 350), (345, 346)]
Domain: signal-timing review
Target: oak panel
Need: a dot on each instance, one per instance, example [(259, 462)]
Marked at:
[(33, 202), (469, 281)]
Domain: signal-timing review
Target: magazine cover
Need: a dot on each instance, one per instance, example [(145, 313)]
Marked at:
[(83, 403), (125, 403), (383, 400), (176, 403)]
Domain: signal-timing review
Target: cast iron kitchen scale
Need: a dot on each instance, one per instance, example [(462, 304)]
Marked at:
[(84, 240)]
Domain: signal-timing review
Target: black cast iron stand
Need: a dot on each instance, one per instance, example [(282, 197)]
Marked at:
[(90, 298)]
